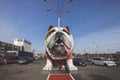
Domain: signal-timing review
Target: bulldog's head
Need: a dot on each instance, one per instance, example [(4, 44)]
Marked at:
[(57, 41)]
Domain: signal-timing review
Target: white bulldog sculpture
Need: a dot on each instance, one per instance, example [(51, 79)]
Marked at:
[(59, 47)]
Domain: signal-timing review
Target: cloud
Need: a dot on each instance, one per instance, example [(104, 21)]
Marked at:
[(108, 39)]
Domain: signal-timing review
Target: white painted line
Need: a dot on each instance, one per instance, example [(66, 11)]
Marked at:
[(48, 77), (71, 77)]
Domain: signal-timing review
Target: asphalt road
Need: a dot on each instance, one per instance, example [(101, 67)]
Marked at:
[(34, 72)]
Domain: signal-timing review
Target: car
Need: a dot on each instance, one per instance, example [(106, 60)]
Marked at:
[(24, 60), (36, 58), (2, 59), (8, 59), (89, 60), (102, 61), (79, 62)]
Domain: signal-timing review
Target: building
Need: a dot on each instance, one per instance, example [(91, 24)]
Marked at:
[(23, 44), (7, 47)]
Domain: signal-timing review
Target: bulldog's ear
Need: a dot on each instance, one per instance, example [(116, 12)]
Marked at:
[(67, 28), (50, 27)]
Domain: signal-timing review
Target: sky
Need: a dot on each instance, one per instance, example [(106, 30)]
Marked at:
[(94, 24)]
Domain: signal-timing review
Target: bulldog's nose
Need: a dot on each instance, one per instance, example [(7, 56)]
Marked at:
[(59, 34)]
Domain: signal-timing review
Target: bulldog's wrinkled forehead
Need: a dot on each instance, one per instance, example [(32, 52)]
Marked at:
[(58, 28), (53, 29), (66, 28)]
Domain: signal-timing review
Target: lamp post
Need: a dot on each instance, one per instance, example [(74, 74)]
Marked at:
[(59, 10)]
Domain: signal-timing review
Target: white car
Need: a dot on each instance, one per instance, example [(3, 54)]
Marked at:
[(103, 62)]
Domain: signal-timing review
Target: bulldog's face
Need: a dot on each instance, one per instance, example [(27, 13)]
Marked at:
[(57, 41)]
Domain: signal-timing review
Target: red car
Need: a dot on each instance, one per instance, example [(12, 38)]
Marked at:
[(9, 59)]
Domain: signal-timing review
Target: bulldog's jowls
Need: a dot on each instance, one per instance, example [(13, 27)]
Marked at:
[(59, 46)]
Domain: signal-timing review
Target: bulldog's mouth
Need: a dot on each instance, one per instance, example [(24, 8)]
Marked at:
[(59, 50)]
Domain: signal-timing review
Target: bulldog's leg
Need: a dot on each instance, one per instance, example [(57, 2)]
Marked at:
[(48, 65), (70, 65)]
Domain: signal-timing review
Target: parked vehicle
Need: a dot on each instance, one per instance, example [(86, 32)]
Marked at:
[(103, 62), (2, 59), (89, 60), (79, 62), (24, 54), (24, 60), (36, 58), (8, 59)]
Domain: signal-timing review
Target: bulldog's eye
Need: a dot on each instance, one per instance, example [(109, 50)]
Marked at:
[(50, 32), (66, 32)]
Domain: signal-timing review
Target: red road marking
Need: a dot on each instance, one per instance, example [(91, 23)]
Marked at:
[(60, 77)]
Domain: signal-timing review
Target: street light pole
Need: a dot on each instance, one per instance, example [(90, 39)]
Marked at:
[(58, 10)]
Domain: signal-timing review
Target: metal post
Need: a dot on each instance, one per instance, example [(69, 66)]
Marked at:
[(59, 14), (59, 10), (59, 22)]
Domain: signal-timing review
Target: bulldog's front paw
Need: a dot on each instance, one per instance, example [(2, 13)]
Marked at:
[(72, 67), (47, 67)]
